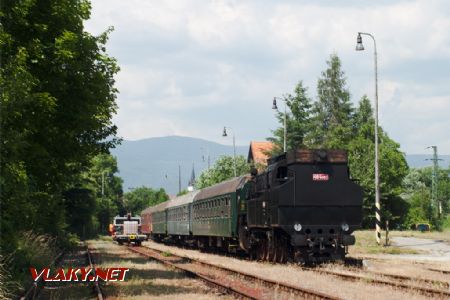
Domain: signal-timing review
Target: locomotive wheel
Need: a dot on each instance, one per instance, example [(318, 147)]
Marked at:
[(262, 250), (279, 249), (278, 253), (270, 255), (276, 249), (252, 254), (283, 252)]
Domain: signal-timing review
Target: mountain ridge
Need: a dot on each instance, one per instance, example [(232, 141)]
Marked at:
[(154, 162)]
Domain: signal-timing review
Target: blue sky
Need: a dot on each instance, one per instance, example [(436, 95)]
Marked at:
[(190, 67)]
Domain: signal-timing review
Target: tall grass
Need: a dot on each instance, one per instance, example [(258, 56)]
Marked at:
[(33, 250), (7, 285)]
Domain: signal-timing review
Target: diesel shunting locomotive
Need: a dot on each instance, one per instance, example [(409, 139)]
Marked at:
[(304, 207)]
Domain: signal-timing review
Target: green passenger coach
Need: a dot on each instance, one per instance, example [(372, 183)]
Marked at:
[(179, 215), (159, 219), (215, 209)]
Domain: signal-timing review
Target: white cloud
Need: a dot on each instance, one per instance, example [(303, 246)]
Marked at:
[(190, 67)]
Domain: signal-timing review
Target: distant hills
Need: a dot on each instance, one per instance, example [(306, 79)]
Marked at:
[(423, 160), (154, 162)]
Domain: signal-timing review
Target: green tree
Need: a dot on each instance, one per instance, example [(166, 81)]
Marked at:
[(107, 188), (143, 197), (393, 167), (222, 170), (57, 101), (183, 192), (297, 121), (331, 122), (417, 192), (419, 208)]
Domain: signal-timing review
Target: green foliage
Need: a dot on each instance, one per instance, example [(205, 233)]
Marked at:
[(143, 197), (392, 165), (331, 121), (7, 285), (222, 170), (419, 211), (446, 222), (107, 188), (183, 192), (57, 100), (417, 185), (297, 120), (34, 250)]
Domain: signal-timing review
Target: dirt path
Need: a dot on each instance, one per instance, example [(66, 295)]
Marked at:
[(436, 250)]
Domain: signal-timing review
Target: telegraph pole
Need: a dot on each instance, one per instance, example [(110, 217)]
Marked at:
[(434, 182), (179, 178)]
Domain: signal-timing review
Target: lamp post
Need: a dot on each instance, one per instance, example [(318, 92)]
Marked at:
[(224, 134), (274, 106), (360, 47)]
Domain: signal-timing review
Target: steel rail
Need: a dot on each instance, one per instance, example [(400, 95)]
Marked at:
[(439, 270), (33, 289), (219, 285), (92, 265), (355, 277), (301, 291), (404, 277)]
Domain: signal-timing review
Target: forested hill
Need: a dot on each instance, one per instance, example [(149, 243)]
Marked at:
[(154, 162)]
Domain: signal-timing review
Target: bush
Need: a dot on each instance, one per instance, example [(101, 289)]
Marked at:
[(33, 250), (70, 242), (6, 283)]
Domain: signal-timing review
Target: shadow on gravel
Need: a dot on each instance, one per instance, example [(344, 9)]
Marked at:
[(110, 259), (149, 289), (154, 274)]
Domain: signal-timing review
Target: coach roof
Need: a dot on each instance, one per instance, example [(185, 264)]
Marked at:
[(222, 188), (183, 199), (157, 207)]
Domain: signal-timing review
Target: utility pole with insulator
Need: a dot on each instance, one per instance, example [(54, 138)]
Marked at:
[(434, 183)]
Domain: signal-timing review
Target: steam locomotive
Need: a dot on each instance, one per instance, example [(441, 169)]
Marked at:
[(304, 207)]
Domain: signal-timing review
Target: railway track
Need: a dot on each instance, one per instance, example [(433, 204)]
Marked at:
[(34, 289), (439, 270), (40, 289), (401, 281), (248, 286), (379, 278), (97, 288)]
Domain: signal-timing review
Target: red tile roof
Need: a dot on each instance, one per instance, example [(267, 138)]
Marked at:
[(258, 150)]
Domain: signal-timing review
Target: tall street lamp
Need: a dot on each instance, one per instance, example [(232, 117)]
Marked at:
[(360, 47), (224, 134), (274, 106)]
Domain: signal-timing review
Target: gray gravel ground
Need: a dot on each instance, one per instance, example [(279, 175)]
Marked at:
[(436, 250)]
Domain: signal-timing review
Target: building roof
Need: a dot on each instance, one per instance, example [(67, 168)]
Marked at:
[(257, 152)]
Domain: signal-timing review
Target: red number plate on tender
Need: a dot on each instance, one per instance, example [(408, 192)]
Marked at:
[(320, 177)]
